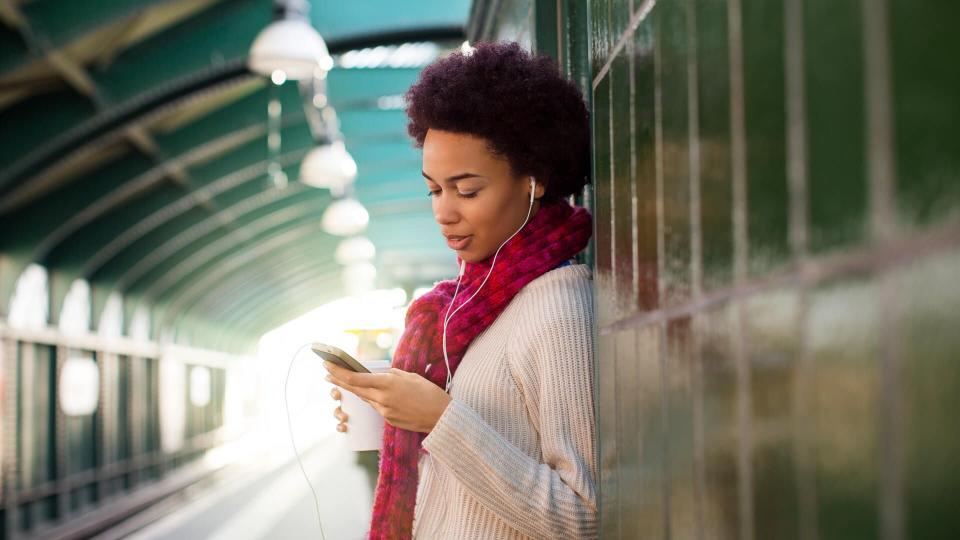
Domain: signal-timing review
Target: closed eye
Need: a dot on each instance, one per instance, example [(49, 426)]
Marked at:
[(436, 193)]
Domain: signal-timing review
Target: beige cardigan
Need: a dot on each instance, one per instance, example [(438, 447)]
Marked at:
[(514, 454)]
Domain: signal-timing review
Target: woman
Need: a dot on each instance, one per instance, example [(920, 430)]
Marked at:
[(510, 451)]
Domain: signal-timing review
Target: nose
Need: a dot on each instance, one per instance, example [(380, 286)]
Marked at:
[(445, 210)]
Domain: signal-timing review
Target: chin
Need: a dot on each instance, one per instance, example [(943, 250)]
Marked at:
[(470, 256)]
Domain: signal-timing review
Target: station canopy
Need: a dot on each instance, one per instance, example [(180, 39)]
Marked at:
[(134, 155)]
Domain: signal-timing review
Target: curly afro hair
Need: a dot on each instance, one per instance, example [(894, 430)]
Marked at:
[(519, 103)]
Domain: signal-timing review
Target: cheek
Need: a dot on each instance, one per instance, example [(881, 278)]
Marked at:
[(494, 221)]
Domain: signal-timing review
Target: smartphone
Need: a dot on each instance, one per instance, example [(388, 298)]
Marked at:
[(338, 357)]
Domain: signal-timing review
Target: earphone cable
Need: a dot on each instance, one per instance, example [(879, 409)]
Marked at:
[(449, 316), (286, 403)]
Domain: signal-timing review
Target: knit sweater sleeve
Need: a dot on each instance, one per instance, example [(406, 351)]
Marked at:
[(554, 496)]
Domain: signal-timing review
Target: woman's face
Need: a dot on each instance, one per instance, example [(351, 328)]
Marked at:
[(477, 201)]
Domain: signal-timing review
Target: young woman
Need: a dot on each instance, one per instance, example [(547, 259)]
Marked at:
[(489, 406)]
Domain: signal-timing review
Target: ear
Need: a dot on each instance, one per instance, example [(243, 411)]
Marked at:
[(540, 189)]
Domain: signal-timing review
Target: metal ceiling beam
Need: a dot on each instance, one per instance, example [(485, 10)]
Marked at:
[(247, 333), (288, 306), (286, 281), (219, 299), (173, 299), (130, 268), (440, 33), (260, 235), (310, 252), (98, 247), (11, 15), (89, 202), (140, 103), (200, 141)]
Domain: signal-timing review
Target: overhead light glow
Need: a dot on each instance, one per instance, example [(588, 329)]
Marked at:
[(393, 56), (345, 217), (291, 46), (356, 249), (329, 166)]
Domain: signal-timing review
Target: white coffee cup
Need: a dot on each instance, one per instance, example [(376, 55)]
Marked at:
[(364, 425)]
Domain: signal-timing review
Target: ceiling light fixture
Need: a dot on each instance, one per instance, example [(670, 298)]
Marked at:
[(329, 166), (345, 217), (289, 47)]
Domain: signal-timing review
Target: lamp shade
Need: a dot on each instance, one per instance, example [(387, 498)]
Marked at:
[(329, 166), (354, 250), (345, 217), (290, 46)]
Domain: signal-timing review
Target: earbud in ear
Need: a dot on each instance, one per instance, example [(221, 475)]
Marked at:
[(533, 188)]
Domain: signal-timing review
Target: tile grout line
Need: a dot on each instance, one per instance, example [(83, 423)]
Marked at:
[(693, 156), (881, 169), (881, 166), (797, 181), (797, 172), (661, 265), (658, 164), (614, 345), (696, 261), (634, 214), (665, 492), (875, 259), (741, 252), (612, 196), (641, 14)]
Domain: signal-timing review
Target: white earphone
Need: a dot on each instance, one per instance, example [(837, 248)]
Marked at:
[(463, 267)]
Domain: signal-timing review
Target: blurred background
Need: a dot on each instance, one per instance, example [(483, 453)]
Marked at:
[(191, 190)]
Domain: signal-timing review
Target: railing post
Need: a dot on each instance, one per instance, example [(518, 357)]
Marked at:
[(61, 450), (8, 387)]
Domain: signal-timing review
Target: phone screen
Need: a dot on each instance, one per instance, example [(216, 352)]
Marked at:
[(339, 357)]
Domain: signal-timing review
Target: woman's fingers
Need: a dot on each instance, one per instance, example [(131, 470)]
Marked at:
[(335, 393), (342, 428), (340, 415)]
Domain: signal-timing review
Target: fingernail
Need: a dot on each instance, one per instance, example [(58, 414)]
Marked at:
[(328, 378)]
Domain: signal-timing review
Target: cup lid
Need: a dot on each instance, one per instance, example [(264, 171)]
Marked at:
[(376, 364)]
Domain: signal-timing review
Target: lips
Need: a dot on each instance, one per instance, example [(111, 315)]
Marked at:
[(458, 243)]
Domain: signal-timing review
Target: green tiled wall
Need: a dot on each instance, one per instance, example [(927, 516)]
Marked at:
[(776, 194)]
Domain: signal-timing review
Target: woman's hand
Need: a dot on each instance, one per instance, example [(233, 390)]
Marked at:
[(405, 400), (338, 412)]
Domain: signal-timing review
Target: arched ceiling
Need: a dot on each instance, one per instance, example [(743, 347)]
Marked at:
[(133, 154)]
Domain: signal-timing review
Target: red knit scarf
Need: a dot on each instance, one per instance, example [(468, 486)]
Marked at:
[(556, 233)]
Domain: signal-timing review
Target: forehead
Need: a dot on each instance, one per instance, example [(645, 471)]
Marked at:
[(444, 151)]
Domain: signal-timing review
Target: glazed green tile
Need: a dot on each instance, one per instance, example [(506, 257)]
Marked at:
[(577, 44), (628, 431), (652, 441), (602, 240), (619, 18), (721, 479), (514, 21), (765, 122), (772, 336), (837, 189), (713, 94), (622, 200), (600, 35), (645, 175), (841, 336), (680, 452), (928, 303), (926, 109), (607, 426), (672, 40)]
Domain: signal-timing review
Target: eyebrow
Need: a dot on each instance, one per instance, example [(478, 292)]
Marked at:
[(454, 178)]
